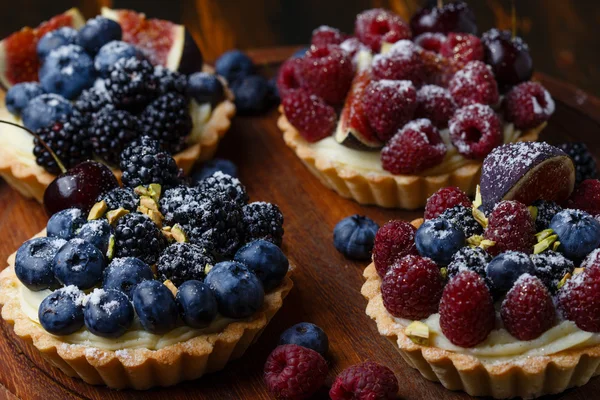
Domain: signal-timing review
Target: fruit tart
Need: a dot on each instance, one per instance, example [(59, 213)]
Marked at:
[(149, 284), (103, 83), (396, 112), (497, 297)]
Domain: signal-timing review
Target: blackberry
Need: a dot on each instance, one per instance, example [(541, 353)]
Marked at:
[(546, 210), (263, 221), (551, 267), (182, 262), (177, 204), (469, 258), (92, 100), (68, 139), (227, 184), (120, 198), (142, 164), (585, 164), (170, 81), (131, 84), (137, 236), (462, 217), (167, 119), (110, 131)]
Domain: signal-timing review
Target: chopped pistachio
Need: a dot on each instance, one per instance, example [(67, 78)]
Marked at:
[(166, 229), (564, 280), (207, 268), (110, 252), (141, 191), (418, 332), (544, 234), (113, 215), (480, 217), (578, 271), (385, 47), (477, 202), (171, 286), (156, 217), (179, 234), (474, 240), (533, 210), (486, 244), (143, 209), (444, 273), (148, 202), (155, 191), (555, 246), (97, 210), (544, 244)]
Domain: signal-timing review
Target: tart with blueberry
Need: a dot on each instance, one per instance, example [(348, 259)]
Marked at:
[(497, 297), (395, 112), (90, 88), (148, 284)]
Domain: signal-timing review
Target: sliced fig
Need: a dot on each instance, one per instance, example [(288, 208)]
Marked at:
[(18, 57), (526, 172), (162, 42)]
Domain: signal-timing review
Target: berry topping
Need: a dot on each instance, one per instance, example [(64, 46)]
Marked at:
[(263, 221), (585, 163), (197, 304), (131, 83), (155, 307), (306, 335), (143, 163), (462, 47), (110, 131), (377, 26), (266, 261), (528, 105), (61, 312), (205, 88), (65, 223), (352, 46), (172, 81), (467, 312), (586, 197), (444, 199), (120, 198), (288, 77), (97, 232), (112, 52), (108, 313), (592, 259), (579, 299), (367, 380), (181, 262), (474, 84), (509, 57), (455, 16), (136, 235), (551, 267), (436, 104), (34, 262), (511, 227), (97, 32), (78, 263), (216, 164), (325, 35), (401, 62), (504, 270), (234, 65), (546, 210), (311, 116), (19, 95), (45, 109), (327, 72), (439, 239), (54, 39), (226, 184), (431, 41), (469, 259), (168, 120), (462, 217), (578, 233), (393, 241), (251, 94), (475, 131), (92, 100), (124, 274), (67, 71), (354, 237)]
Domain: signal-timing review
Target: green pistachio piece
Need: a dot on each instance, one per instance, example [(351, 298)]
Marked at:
[(486, 244), (155, 191), (477, 202), (418, 332), (149, 203), (179, 234), (110, 252), (555, 246), (544, 244), (474, 240), (142, 191), (564, 280), (480, 217), (113, 215), (544, 234), (171, 286), (97, 210), (533, 210)]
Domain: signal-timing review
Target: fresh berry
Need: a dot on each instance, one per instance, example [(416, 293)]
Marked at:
[(143, 165), (546, 210), (551, 267), (168, 120), (528, 311), (436, 104), (155, 307), (67, 71), (112, 52), (389, 105), (474, 84), (34, 261), (311, 116), (578, 233), (108, 313), (226, 184), (401, 62), (586, 197), (61, 312), (352, 46), (504, 270), (263, 221), (288, 77), (591, 259), (509, 57), (97, 232), (367, 380), (124, 274), (306, 335), (444, 199), (462, 217), (415, 148), (469, 259), (205, 88), (64, 224), (528, 105), (266, 261), (475, 131), (120, 198), (455, 16), (207, 169), (431, 41), (325, 35), (462, 47), (234, 65), (585, 163), (251, 94), (137, 236), (439, 239), (97, 32), (110, 131), (393, 241), (327, 72), (131, 83), (412, 288), (181, 262), (171, 81), (19, 96), (511, 227), (78, 263), (197, 304), (377, 26), (54, 39), (44, 110), (579, 299), (354, 237), (467, 312), (93, 100)]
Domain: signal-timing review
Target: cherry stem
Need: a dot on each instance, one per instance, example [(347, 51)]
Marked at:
[(440, 3), (514, 19), (52, 153)]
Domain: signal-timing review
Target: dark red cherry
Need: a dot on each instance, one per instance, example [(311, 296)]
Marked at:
[(508, 56), (79, 187), (451, 17)]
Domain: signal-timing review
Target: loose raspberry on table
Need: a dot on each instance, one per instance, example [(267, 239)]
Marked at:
[(294, 372), (462, 47), (528, 105), (415, 148), (376, 26), (586, 197), (311, 116), (367, 380), (324, 35), (511, 227), (412, 288), (431, 41), (327, 72), (444, 199), (288, 78), (389, 105), (475, 131), (474, 84), (401, 62), (579, 299), (467, 312), (436, 104), (393, 241)]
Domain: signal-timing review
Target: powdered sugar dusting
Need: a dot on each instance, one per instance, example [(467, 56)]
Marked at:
[(96, 296)]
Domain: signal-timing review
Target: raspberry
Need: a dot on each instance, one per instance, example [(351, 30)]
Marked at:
[(462, 47), (415, 148), (402, 62), (288, 78), (511, 227), (467, 312), (475, 131), (352, 46), (431, 41), (592, 259), (436, 104), (546, 210), (585, 163), (586, 197), (368, 380), (469, 258), (551, 267), (327, 72), (462, 217), (444, 199), (393, 241), (579, 299), (294, 372), (373, 27), (325, 35), (528, 105), (474, 84), (412, 288), (311, 116), (389, 105), (527, 311)]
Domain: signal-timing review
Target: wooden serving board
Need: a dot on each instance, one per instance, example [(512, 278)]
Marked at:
[(327, 286)]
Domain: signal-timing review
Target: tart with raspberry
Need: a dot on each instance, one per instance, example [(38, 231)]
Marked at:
[(156, 284), (103, 83), (497, 297), (389, 116)]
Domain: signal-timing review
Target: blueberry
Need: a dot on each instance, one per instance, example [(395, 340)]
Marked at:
[(234, 65), (20, 95), (97, 232), (44, 110), (125, 274), (266, 261), (97, 32), (306, 335), (67, 71), (108, 313), (33, 263), (61, 312), (238, 291), (65, 223), (504, 270), (197, 304), (578, 233), (251, 94), (439, 239), (78, 263), (112, 52), (273, 96), (216, 164), (205, 88), (155, 306), (354, 237), (300, 53), (55, 39)]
